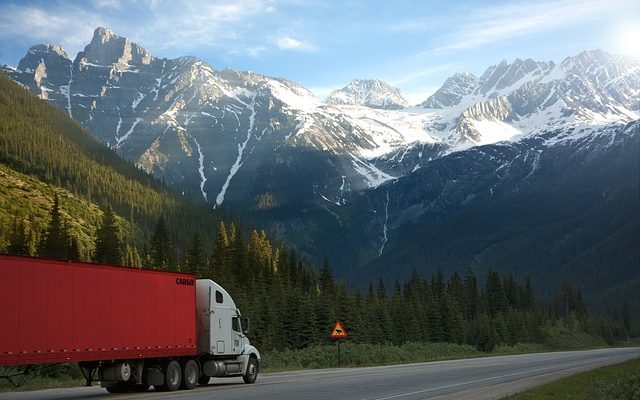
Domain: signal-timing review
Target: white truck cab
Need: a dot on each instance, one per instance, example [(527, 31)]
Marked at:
[(224, 348)]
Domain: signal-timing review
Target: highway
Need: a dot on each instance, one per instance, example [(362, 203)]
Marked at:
[(477, 378)]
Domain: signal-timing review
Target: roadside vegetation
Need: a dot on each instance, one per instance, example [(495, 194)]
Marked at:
[(613, 382)]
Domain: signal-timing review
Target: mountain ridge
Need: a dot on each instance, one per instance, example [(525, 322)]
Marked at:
[(373, 93), (317, 174)]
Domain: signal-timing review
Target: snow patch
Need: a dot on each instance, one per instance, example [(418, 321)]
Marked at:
[(137, 100), (493, 131), (236, 166), (384, 228), (124, 137), (203, 179), (293, 97), (371, 174)]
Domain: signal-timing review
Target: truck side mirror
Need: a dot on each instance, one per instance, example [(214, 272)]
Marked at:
[(246, 325)]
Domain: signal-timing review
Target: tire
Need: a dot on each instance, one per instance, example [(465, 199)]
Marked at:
[(172, 377), (204, 380), (190, 374), (251, 374)]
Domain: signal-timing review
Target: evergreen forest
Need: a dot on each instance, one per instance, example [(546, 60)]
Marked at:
[(65, 195)]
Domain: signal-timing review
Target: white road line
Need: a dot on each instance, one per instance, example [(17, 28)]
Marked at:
[(396, 396)]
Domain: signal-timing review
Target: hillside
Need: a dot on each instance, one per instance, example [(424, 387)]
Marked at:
[(562, 212), (43, 152)]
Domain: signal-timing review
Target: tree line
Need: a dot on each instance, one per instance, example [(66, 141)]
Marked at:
[(293, 304)]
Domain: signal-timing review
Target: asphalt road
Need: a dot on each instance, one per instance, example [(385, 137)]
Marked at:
[(478, 378)]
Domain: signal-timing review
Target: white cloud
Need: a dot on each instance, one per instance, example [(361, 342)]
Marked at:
[(70, 26), (494, 24), (192, 24), (289, 43)]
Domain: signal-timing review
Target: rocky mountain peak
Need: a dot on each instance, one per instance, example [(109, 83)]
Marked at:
[(506, 74), (373, 93), (452, 91), (107, 48), (42, 54), (588, 58), (103, 35)]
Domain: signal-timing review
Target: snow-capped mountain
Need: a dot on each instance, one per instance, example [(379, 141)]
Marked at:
[(369, 93), (359, 168), (196, 126), (513, 100), (193, 125)]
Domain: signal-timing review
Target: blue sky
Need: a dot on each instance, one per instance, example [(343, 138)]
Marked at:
[(414, 45)]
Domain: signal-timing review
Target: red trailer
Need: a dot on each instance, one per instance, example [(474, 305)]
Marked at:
[(133, 327), (57, 311)]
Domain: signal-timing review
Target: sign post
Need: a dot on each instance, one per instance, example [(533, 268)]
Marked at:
[(338, 332)]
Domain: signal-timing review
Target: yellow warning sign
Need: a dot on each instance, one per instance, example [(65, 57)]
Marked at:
[(338, 331)]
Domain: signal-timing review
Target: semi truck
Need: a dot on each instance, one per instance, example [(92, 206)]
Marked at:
[(127, 328)]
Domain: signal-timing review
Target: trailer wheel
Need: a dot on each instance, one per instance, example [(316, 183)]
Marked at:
[(204, 380), (172, 377), (251, 374), (190, 374)]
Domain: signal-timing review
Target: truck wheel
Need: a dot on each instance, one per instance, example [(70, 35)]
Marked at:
[(251, 374), (204, 380), (190, 374), (172, 377)]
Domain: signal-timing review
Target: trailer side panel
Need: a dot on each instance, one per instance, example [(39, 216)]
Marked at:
[(58, 311)]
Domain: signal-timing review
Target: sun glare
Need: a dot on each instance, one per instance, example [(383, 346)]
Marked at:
[(627, 40)]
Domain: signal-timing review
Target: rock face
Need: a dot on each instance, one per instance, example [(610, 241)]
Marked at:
[(358, 169), (46, 70), (109, 49), (452, 91), (369, 93)]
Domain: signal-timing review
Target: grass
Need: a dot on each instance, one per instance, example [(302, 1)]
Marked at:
[(54, 376), (363, 355), (368, 355), (613, 382), (562, 338)]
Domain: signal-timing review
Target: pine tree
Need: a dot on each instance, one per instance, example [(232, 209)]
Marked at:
[(470, 295), (56, 240), (220, 258), (108, 243), (18, 242), (161, 247), (73, 249), (326, 282), (494, 292), (132, 257), (194, 261)]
